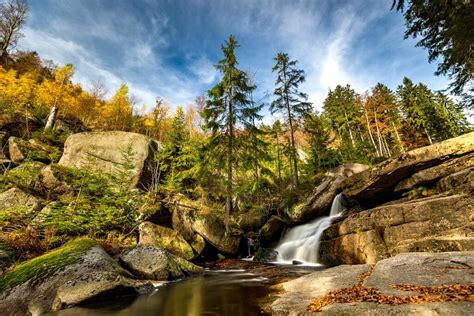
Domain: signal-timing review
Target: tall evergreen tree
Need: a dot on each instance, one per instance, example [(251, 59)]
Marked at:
[(228, 106), (340, 108), (289, 100)]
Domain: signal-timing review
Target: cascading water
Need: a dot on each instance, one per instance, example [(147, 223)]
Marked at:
[(301, 242)]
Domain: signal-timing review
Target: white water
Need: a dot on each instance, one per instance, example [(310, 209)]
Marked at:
[(301, 242)]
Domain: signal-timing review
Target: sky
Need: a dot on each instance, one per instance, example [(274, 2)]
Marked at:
[(168, 48)]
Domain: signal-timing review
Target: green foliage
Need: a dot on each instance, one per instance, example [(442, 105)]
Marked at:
[(24, 176), (99, 204), (416, 193), (444, 30), (289, 100), (46, 265)]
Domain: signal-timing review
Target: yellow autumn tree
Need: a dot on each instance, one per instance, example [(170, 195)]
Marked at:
[(117, 113)]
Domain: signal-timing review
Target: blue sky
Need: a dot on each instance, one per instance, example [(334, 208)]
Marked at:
[(168, 48)]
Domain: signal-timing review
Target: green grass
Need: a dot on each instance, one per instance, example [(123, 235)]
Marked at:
[(41, 267)]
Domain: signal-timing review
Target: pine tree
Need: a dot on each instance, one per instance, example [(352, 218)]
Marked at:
[(321, 157), (340, 108), (289, 100), (228, 106)]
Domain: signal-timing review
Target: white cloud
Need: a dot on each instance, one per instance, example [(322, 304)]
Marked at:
[(204, 69)]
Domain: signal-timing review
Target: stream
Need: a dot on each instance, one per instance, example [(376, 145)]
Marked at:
[(217, 292)]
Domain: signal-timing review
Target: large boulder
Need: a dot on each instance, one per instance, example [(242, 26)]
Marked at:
[(165, 238), (377, 184), (401, 285), (253, 219), (153, 263), (128, 154), (272, 230), (191, 220), (77, 272), (49, 184), (319, 202), (433, 224)]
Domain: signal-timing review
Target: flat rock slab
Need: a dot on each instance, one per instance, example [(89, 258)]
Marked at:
[(418, 269)]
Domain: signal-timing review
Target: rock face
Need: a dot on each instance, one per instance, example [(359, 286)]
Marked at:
[(77, 272), (272, 230), (153, 263), (253, 219), (433, 224), (321, 199), (418, 269), (373, 185), (16, 198), (165, 238), (190, 221), (112, 152)]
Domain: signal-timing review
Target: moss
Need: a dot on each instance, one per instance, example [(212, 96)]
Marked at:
[(25, 175), (46, 265)]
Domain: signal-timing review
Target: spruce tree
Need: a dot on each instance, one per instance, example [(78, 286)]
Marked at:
[(289, 100), (228, 107)]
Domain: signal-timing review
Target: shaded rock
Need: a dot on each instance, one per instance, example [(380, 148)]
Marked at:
[(419, 269), (157, 264), (113, 152), (190, 219), (50, 185), (272, 230), (214, 231), (462, 181), (165, 238), (430, 175), (15, 198), (3, 145), (378, 183), (252, 220), (198, 243), (434, 224), (265, 255), (77, 272), (321, 199)]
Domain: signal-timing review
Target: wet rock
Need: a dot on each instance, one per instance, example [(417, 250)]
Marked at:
[(377, 184), (272, 230), (157, 264), (419, 269), (77, 272), (165, 238), (113, 152), (265, 255), (434, 224), (319, 202)]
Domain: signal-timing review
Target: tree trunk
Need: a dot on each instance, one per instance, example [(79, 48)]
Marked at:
[(293, 146), (278, 161), (370, 132), (349, 128), (428, 135), (400, 144), (51, 118), (229, 206), (379, 137)]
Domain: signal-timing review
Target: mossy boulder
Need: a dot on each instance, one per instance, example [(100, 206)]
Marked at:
[(165, 238), (153, 263), (16, 205), (76, 272), (25, 176), (20, 149)]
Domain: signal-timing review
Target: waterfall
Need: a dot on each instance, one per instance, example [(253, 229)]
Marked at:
[(301, 242)]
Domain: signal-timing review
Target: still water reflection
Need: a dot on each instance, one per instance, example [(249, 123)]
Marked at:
[(213, 293)]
